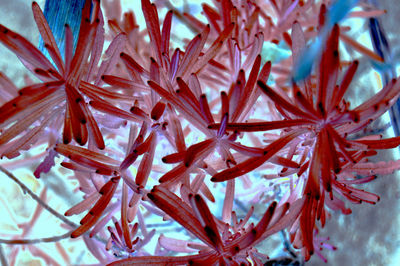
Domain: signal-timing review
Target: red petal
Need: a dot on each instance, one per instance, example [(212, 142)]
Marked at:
[(212, 15), (106, 107), (344, 85), (255, 162), (153, 27), (146, 163), (94, 214), (47, 36), (263, 126), (157, 111), (192, 53), (166, 30), (360, 48), (179, 211), (206, 219), (389, 143), (205, 110), (213, 50), (281, 102), (198, 151), (124, 218)]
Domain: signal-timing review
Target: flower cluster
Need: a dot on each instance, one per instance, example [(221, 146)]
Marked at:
[(152, 130)]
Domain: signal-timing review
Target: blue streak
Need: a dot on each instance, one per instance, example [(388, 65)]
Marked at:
[(61, 12), (335, 14)]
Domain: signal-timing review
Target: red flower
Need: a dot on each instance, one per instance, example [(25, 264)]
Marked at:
[(323, 121), (64, 85), (91, 162), (235, 244)]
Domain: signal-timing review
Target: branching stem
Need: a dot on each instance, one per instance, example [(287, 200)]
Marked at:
[(35, 240), (25, 189)]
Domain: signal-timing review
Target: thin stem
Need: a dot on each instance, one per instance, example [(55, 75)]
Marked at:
[(3, 257), (25, 189), (35, 240)]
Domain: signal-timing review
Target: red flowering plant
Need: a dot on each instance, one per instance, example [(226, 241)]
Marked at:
[(236, 243), (60, 94), (284, 150), (329, 158)]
